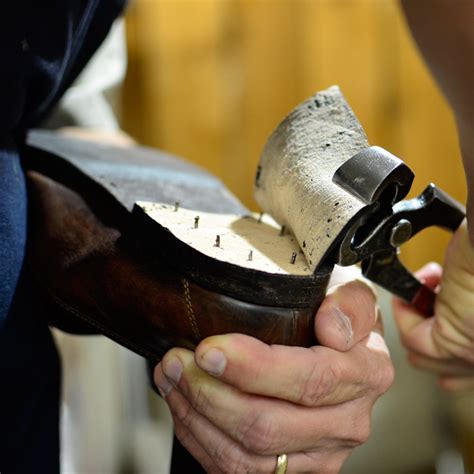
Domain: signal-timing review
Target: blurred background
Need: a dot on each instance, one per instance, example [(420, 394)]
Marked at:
[(209, 80)]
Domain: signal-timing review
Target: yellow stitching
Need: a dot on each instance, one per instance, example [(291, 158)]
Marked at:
[(190, 311), (107, 331), (293, 326)]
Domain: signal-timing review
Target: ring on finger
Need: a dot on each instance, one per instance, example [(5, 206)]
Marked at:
[(282, 464)]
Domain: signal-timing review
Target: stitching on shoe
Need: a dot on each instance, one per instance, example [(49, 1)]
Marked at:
[(293, 327), (79, 314), (105, 329), (190, 311)]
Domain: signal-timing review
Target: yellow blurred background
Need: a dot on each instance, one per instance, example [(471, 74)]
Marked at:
[(210, 79)]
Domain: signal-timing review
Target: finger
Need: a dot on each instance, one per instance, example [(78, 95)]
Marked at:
[(346, 316), (406, 316), (443, 367), (314, 376), (438, 337), (209, 444), (457, 384), (187, 439), (454, 326), (415, 330), (267, 425), (430, 274), (218, 453)]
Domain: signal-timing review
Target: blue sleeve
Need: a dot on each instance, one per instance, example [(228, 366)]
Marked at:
[(44, 44)]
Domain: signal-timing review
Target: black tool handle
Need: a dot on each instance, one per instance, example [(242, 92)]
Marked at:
[(433, 207), (386, 270)]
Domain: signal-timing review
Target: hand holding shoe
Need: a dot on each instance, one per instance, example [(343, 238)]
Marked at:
[(238, 403)]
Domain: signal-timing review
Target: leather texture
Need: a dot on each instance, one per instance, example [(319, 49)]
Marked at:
[(92, 281)]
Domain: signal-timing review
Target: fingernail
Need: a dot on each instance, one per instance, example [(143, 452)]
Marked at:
[(163, 384), (343, 324), (213, 361), (173, 369)]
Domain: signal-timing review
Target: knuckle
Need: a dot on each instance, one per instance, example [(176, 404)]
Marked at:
[(385, 377), (356, 430), (172, 353), (185, 415), (199, 399), (318, 384), (181, 432), (360, 432), (259, 434), (364, 432)]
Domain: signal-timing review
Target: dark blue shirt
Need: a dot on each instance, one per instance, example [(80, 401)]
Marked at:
[(44, 44)]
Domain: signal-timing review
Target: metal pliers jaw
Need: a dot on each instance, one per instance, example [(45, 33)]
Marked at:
[(373, 237)]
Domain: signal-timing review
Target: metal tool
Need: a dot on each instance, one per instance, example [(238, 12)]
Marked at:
[(374, 235)]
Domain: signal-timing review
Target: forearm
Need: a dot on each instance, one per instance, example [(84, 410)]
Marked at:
[(444, 32)]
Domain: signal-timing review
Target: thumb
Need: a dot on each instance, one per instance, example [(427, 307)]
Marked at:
[(346, 316)]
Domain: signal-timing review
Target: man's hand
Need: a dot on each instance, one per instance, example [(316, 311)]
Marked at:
[(238, 403), (444, 343)]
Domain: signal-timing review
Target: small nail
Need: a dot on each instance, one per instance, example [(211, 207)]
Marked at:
[(343, 324), (293, 258), (213, 361), (218, 241), (196, 222), (163, 384), (176, 206), (173, 370)]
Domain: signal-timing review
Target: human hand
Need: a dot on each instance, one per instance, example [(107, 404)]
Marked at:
[(444, 343), (238, 403)]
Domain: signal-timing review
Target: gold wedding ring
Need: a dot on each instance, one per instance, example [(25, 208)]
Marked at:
[(282, 464)]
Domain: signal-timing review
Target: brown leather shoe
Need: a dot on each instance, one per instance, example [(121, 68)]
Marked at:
[(100, 267)]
